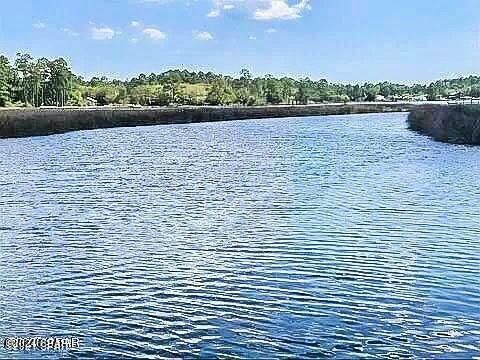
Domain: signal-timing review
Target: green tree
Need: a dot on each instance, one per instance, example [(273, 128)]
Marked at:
[(44, 75), (242, 96), (60, 80), (220, 94), (432, 92), (23, 65), (371, 92), (171, 87), (474, 91), (287, 90), (5, 81), (273, 91), (245, 78), (302, 96)]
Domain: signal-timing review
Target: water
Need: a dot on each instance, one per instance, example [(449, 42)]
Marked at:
[(346, 237)]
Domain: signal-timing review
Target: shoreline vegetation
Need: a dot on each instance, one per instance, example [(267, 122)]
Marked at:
[(42, 97), (29, 82), (37, 121), (459, 124)]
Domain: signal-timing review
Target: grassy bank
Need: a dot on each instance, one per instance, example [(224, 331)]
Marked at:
[(458, 124), (35, 122)]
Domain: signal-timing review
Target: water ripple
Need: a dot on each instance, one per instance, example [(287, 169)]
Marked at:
[(342, 237)]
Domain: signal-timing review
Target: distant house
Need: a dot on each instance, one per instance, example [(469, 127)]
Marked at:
[(420, 98), (454, 95), (469, 100), (379, 98), (91, 101), (403, 97)]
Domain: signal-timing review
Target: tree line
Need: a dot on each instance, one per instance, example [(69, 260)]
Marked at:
[(42, 82)]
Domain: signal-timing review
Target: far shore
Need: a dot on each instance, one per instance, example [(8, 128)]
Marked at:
[(23, 122), (143, 107)]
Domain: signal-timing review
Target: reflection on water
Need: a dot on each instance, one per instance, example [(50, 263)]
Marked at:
[(326, 236)]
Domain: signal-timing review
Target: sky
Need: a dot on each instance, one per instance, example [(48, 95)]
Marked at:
[(340, 40)]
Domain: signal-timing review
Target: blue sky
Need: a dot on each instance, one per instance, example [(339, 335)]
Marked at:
[(340, 40)]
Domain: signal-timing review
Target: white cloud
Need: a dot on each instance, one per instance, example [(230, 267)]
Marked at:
[(102, 33), (133, 41), (135, 24), (214, 13), (252, 38), (280, 9), (222, 5), (204, 36), (39, 25), (271, 31), (154, 34), (263, 9), (70, 32)]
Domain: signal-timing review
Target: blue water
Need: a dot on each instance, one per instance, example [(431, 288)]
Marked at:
[(341, 236)]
